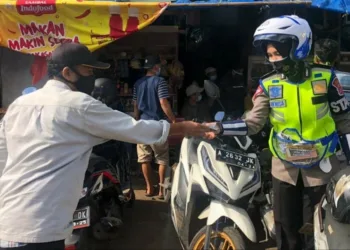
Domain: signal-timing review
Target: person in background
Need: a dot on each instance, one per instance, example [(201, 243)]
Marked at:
[(326, 52), (105, 91), (307, 109), (49, 135), (151, 103), (211, 76), (195, 107), (233, 92)]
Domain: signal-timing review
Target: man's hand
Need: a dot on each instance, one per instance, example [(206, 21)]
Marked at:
[(189, 128), (210, 135), (215, 129), (195, 129)]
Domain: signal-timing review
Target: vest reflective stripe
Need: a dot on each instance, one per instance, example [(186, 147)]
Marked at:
[(277, 115), (322, 111), (295, 116)]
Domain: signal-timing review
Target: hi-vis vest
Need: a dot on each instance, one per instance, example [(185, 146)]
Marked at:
[(303, 130)]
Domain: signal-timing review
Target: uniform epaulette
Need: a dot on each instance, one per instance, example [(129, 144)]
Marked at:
[(322, 66)]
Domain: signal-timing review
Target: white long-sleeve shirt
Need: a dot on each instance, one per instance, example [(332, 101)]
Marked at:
[(48, 136)]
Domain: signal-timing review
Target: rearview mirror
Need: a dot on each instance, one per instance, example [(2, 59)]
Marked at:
[(219, 116)]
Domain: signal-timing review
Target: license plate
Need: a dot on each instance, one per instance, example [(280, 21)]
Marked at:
[(236, 159), (81, 218)]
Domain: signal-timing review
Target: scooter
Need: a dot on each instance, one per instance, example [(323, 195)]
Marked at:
[(331, 233), (100, 208), (214, 182)]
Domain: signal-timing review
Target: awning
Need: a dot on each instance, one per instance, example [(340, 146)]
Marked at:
[(342, 6), (38, 26), (204, 3)]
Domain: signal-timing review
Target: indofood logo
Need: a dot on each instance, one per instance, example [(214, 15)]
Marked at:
[(36, 7)]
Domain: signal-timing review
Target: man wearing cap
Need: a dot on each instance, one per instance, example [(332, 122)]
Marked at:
[(151, 103), (195, 107), (49, 135)]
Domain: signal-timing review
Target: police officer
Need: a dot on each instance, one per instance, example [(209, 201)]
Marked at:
[(306, 107), (326, 52)]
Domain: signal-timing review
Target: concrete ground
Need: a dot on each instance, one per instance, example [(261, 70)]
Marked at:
[(148, 226)]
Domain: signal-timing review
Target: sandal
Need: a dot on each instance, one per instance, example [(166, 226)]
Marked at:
[(152, 193)]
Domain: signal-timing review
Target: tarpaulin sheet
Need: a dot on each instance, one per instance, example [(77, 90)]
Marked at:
[(38, 26), (342, 6)]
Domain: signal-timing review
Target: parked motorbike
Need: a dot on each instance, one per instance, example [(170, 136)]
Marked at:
[(215, 180), (332, 215), (100, 209)]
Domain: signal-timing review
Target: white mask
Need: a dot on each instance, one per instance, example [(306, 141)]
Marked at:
[(213, 78), (199, 98)]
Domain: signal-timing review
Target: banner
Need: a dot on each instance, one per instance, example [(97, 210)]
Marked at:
[(38, 26)]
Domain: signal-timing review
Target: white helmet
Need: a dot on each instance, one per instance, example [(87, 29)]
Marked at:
[(283, 29)]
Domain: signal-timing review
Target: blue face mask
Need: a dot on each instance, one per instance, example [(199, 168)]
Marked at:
[(158, 71)]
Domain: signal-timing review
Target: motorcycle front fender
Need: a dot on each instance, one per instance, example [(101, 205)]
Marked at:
[(239, 216)]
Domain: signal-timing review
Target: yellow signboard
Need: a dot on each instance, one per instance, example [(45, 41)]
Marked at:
[(38, 26)]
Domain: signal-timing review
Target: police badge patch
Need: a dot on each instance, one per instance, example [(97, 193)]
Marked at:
[(319, 87), (276, 92), (278, 103), (336, 84)]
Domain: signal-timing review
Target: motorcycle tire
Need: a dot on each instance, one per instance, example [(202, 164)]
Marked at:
[(85, 240), (225, 232)]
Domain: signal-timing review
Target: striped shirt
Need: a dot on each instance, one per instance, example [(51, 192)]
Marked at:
[(147, 93)]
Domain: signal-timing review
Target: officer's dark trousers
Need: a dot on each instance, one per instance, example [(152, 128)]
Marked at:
[(55, 245), (293, 207)]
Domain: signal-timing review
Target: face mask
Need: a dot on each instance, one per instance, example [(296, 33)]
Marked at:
[(85, 84), (278, 65), (292, 70), (213, 78), (199, 98), (158, 72)]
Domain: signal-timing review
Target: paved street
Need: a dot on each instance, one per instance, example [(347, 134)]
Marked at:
[(148, 226)]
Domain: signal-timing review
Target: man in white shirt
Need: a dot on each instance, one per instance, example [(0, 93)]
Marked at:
[(48, 136)]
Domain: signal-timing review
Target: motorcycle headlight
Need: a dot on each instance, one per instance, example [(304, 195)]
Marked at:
[(209, 167)]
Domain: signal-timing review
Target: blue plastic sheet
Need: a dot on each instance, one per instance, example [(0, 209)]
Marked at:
[(342, 6)]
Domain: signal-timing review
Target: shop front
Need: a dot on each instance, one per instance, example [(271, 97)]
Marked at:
[(30, 30)]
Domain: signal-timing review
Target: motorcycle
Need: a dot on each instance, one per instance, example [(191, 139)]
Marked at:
[(332, 216), (100, 209), (215, 180)]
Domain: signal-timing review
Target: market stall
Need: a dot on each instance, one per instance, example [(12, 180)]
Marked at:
[(127, 55), (30, 30)]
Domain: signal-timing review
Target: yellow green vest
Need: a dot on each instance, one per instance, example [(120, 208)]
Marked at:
[(303, 130)]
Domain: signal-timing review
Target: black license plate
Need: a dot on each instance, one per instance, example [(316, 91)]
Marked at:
[(236, 159), (81, 218)]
